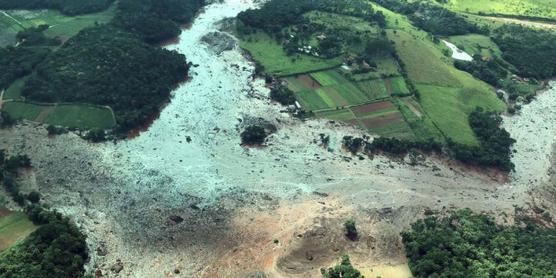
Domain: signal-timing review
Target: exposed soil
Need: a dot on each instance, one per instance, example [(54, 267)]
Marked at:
[(308, 81), (368, 108)]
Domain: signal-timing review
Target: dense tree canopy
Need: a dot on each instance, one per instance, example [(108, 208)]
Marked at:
[(17, 62), (531, 51), (107, 66), (495, 142), (470, 245), (156, 20), (277, 14), (69, 7)]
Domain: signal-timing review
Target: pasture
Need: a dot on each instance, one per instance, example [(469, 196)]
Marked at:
[(276, 61), (61, 26), (14, 226), (14, 91), (529, 8), (79, 116), (476, 44)]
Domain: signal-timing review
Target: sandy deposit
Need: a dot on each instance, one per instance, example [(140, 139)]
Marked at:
[(167, 207)]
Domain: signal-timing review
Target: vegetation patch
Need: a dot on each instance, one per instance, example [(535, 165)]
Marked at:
[(82, 116), (14, 227), (273, 59), (466, 244), (525, 8)]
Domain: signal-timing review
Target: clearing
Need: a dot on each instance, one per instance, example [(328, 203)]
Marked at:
[(81, 116)]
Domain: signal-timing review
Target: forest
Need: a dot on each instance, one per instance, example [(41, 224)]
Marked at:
[(274, 15), (114, 64), (156, 20), (107, 66), (531, 51), (466, 244), (68, 7), (17, 62)]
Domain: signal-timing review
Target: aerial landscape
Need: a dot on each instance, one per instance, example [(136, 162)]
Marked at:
[(278, 138)]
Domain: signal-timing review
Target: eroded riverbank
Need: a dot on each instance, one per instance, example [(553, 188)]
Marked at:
[(208, 207)]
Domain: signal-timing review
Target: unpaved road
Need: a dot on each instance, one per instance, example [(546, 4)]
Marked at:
[(212, 208)]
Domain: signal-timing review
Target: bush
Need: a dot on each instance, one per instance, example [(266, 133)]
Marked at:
[(351, 230), (34, 197), (282, 95), (253, 135), (343, 270)]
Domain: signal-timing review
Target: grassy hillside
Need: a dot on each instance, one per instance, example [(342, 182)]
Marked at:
[(529, 8)]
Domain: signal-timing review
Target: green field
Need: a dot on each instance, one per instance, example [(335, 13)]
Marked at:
[(14, 226), (476, 44), (14, 91), (71, 116), (423, 63), (274, 59), (373, 89), (530, 8), (13, 21)]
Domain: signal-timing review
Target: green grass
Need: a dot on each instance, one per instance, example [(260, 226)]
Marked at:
[(475, 44), (329, 77), (530, 8), (310, 100), (14, 91), (13, 228), (373, 89), (274, 59), (449, 109), (22, 110), (81, 116), (400, 130), (60, 25), (338, 115), (398, 86), (424, 64), (71, 116)]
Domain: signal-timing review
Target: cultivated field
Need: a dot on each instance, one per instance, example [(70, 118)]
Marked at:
[(14, 226), (80, 116)]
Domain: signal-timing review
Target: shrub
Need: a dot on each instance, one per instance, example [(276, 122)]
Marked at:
[(253, 135), (342, 270), (282, 95), (351, 229)]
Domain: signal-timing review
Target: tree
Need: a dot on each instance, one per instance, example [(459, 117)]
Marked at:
[(253, 135), (351, 230), (343, 270), (34, 197)]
